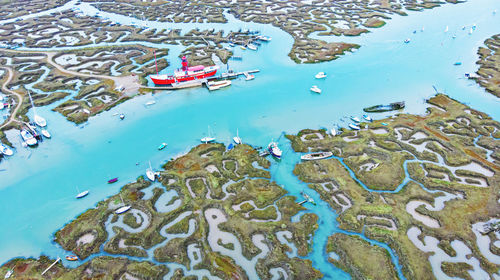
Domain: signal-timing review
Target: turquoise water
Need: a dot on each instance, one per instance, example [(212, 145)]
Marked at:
[(38, 186)]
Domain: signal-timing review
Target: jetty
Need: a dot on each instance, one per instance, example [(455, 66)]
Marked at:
[(229, 75), (48, 268)]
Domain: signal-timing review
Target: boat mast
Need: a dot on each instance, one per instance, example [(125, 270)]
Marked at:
[(154, 52), (32, 104)]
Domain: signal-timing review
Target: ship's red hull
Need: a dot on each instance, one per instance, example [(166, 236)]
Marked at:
[(171, 79)]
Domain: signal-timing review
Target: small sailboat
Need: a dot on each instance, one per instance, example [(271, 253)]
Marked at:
[(207, 139), (162, 146), (150, 173), (320, 75), (354, 126), (81, 194), (367, 118), (446, 29), (5, 150), (355, 119), (237, 138), (40, 121), (28, 138), (407, 40), (71, 258), (45, 133), (315, 89), (122, 116), (123, 209), (274, 150)]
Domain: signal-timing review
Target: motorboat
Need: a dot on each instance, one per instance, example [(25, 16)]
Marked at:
[(71, 258), (355, 119), (28, 138), (320, 75), (243, 47), (122, 116), (249, 77), (274, 150), (316, 156), (367, 118), (149, 103), (215, 85), (407, 41), (252, 47), (354, 126), (5, 150), (237, 138), (315, 89), (45, 133), (114, 180), (209, 138), (162, 146)]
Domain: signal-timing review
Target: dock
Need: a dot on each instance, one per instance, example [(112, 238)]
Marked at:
[(48, 268), (230, 75)]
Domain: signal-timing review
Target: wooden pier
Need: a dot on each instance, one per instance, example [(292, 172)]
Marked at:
[(48, 268)]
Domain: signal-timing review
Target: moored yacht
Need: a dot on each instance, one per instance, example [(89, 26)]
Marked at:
[(315, 89), (354, 126), (367, 118), (237, 138), (316, 156), (274, 150), (45, 133), (5, 150), (208, 139), (355, 119), (28, 138), (320, 75), (214, 85)]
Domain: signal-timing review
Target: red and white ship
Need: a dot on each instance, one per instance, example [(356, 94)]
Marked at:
[(185, 74)]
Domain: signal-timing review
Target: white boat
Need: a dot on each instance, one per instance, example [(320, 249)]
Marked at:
[(28, 138), (470, 31), (237, 138), (228, 48), (46, 133), (320, 75), (315, 89), (355, 119), (367, 118), (209, 138), (407, 40), (274, 150), (316, 156), (40, 121), (249, 77), (252, 47), (354, 126), (150, 174), (8, 274), (446, 29), (215, 85), (152, 102), (82, 194), (1, 105), (243, 47), (5, 150), (123, 209), (122, 116), (422, 30), (333, 131)]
